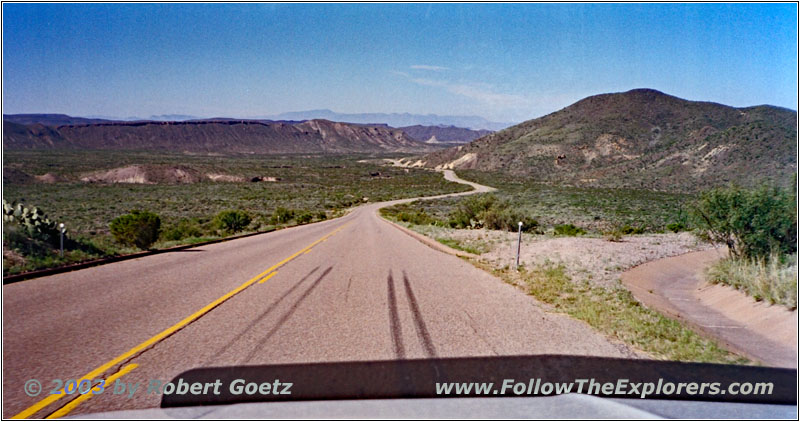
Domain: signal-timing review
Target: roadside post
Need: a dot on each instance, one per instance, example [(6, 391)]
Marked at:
[(519, 243), (62, 230)]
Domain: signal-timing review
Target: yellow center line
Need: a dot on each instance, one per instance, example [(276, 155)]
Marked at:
[(83, 397), (169, 331), (267, 277)]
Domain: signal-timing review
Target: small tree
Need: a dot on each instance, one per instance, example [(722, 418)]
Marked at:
[(752, 223), (232, 221), (139, 228)]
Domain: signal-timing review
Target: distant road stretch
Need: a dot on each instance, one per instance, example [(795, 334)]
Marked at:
[(352, 288)]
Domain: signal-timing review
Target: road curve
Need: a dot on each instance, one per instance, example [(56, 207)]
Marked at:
[(347, 289)]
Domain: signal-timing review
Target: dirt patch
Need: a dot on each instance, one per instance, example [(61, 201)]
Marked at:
[(49, 178), (155, 174), (596, 259), (224, 178)]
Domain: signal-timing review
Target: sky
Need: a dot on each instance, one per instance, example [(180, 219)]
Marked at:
[(504, 62)]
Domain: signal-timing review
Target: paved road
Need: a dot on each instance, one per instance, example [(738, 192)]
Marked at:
[(676, 286), (353, 288)]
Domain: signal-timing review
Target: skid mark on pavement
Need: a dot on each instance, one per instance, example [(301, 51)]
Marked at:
[(266, 312), (288, 314), (394, 320), (422, 331)]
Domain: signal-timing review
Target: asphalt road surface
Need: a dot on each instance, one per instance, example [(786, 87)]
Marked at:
[(353, 288)]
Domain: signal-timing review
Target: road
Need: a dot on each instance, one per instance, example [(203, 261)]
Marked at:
[(347, 289), (676, 286)]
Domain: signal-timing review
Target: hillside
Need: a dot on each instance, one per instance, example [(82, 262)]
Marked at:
[(443, 134), (214, 136), (641, 139)]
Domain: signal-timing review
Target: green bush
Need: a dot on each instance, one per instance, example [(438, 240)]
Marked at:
[(232, 221), (626, 229), (568, 230), (752, 223), (322, 215), (676, 227), (184, 229), (417, 217), (283, 215), (304, 217), (139, 228)]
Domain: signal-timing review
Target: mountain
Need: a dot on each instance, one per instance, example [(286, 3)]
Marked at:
[(641, 139), (443, 134), (214, 136), (50, 119), (394, 119)]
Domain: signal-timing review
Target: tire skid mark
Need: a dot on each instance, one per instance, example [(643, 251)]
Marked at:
[(263, 315), (394, 320), (288, 314), (422, 331)]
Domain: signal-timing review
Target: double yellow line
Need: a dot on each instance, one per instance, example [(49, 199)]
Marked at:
[(97, 372)]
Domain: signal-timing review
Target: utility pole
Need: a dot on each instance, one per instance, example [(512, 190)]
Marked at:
[(61, 226)]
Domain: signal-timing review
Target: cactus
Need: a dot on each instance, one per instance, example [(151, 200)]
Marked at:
[(33, 220)]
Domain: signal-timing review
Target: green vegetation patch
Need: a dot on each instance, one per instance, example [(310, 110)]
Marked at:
[(616, 313)]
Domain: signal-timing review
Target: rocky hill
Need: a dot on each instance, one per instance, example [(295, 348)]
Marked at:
[(443, 134), (214, 136), (642, 139)]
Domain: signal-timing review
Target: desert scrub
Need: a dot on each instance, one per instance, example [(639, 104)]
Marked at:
[(232, 221), (139, 228), (616, 313), (568, 230), (773, 280)]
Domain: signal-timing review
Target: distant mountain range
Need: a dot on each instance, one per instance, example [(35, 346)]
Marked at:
[(640, 139), (60, 130), (395, 119), (208, 136)]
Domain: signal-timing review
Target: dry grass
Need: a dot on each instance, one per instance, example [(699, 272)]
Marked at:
[(770, 280)]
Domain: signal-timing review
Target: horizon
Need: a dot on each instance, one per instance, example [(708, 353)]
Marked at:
[(505, 63)]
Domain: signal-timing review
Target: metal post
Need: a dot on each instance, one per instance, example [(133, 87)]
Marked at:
[(61, 226), (519, 243)]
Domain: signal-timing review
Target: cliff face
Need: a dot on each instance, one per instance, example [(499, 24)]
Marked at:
[(221, 136)]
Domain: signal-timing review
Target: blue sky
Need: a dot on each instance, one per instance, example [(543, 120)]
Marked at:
[(505, 62)]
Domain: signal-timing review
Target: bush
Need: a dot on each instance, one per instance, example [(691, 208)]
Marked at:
[(322, 215), (417, 217), (568, 230), (232, 221), (753, 223), (283, 215), (139, 228), (184, 229), (626, 229), (304, 217), (676, 227)]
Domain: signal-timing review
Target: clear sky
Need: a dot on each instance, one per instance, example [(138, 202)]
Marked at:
[(505, 62)]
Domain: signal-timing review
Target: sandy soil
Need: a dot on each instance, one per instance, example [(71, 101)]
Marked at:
[(599, 260)]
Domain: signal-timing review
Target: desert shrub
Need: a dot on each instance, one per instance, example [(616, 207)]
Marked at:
[(753, 223), (419, 217), (184, 229), (304, 217), (139, 228), (568, 230), (627, 229), (282, 215), (322, 215), (676, 227), (232, 221), (469, 212), (507, 219)]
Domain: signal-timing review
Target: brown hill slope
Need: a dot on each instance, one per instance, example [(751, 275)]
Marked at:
[(214, 136), (444, 134), (643, 139)]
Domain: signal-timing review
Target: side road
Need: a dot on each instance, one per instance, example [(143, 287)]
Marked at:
[(676, 287)]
